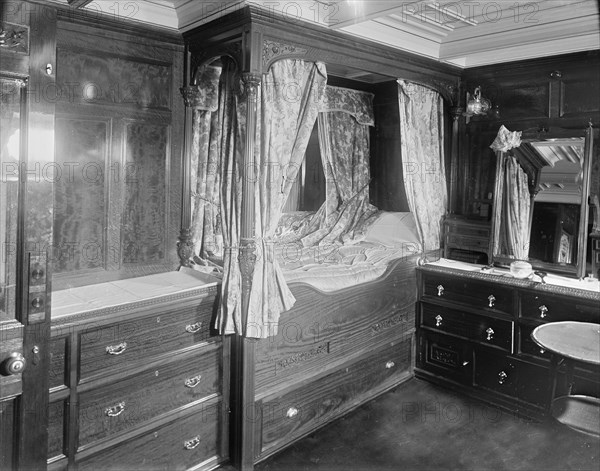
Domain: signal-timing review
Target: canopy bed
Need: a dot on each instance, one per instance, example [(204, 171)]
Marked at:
[(321, 303)]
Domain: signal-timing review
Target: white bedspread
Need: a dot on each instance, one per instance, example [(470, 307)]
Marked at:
[(389, 237), (344, 266)]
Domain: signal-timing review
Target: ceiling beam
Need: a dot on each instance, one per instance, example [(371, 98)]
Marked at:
[(78, 3)]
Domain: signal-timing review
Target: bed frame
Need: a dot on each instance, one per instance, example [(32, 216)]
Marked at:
[(334, 351)]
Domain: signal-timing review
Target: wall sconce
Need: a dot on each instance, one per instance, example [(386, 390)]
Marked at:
[(478, 105)]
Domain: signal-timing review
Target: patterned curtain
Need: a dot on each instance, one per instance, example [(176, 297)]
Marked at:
[(217, 127), (290, 97), (422, 144), (344, 143), (211, 115), (515, 211)]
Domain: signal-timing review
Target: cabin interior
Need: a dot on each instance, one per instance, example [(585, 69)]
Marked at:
[(226, 225)]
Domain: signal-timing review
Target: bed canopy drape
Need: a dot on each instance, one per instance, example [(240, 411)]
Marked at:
[(516, 204), (422, 146), (344, 141), (292, 96)]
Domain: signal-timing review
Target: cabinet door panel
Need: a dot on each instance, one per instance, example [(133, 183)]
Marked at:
[(80, 194), (446, 356)]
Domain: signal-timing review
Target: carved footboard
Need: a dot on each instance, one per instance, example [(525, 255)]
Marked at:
[(334, 351)]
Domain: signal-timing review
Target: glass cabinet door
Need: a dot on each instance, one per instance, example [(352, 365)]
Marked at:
[(11, 117)]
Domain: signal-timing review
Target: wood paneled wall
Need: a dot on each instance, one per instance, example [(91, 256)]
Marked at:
[(119, 133)]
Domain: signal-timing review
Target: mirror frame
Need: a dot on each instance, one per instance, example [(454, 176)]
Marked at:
[(579, 268)]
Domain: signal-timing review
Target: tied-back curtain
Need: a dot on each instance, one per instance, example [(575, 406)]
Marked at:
[(422, 146), (516, 207), (290, 96), (217, 130), (210, 130)]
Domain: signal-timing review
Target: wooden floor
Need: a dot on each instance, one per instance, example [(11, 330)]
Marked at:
[(420, 426)]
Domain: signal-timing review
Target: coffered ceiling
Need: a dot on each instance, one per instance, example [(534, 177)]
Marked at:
[(464, 33)]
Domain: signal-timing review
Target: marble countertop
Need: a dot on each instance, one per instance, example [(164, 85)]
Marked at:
[(115, 293), (591, 285)]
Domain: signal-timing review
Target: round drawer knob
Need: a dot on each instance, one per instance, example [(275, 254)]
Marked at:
[(37, 302), (14, 364), (502, 377)]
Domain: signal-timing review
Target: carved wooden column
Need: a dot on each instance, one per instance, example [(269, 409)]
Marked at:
[(456, 113), (244, 415), (185, 247), (247, 253)]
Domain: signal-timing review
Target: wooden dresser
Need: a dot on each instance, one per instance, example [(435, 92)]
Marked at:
[(474, 334), (138, 383)]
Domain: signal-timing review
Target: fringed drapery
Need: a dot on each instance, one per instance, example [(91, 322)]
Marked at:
[(422, 146), (515, 211), (289, 105)]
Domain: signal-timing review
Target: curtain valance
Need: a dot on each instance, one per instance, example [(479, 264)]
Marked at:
[(355, 102), (206, 93)]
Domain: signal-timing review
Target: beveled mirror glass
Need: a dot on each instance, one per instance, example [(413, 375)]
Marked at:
[(541, 208)]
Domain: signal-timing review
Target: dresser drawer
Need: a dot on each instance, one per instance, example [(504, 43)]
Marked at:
[(525, 381), (291, 415), (445, 356), (548, 308), (483, 329), (473, 294), (527, 346), (495, 372), (118, 345), (467, 243), (119, 406), (179, 445)]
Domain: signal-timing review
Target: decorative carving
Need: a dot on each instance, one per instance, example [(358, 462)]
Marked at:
[(303, 356), (185, 247), (273, 50), (195, 97), (14, 37), (251, 84), (247, 260), (387, 323)]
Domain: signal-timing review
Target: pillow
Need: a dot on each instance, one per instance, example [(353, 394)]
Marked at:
[(394, 229)]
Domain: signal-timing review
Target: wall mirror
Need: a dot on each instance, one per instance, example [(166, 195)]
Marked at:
[(541, 211)]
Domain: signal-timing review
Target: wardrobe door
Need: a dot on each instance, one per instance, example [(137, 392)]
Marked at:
[(26, 164)]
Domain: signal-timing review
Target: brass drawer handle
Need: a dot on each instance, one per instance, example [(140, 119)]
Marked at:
[(543, 311), (502, 377), (193, 328), (438, 320), (116, 349), (115, 410), (390, 364), (490, 333), (193, 382), (191, 444), (440, 289), (492, 300), (291, 413)]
